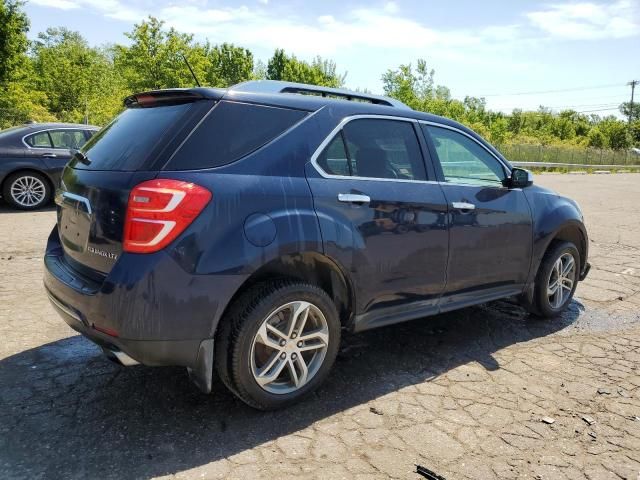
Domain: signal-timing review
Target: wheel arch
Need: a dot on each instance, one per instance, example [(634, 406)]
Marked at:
[(575, 233), (311, 267)]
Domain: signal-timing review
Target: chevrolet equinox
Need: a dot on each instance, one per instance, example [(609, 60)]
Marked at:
[(241, 230)]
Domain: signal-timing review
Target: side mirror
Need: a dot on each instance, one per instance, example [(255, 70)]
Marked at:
[(520, 178)]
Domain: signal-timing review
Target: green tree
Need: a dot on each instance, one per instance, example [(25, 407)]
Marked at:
[(20, 104), (289, 68), (596, 138), (14, 26), (625, 109), (635, 132), (20, 100), (155, 59), (80, 81), (616, 133), (229, 65), (414, 88)]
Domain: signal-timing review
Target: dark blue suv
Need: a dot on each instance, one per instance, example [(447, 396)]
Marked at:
[(241, 230)]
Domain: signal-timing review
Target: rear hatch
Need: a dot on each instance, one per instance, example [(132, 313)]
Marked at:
[(95, 186)]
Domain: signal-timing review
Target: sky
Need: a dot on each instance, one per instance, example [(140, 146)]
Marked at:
[(516, 54)]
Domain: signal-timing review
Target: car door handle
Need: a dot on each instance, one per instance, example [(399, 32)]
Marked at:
[(49, 155), (463, 206), (353, 198)]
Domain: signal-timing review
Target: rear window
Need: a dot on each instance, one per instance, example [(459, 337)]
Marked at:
[(39, 140), (231, 131), (131, 138)]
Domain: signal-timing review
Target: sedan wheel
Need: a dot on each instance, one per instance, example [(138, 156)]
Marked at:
[(27, 190)]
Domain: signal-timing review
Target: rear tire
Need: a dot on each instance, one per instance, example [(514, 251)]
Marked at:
[(278, 343), (27, 190), (556, 280)]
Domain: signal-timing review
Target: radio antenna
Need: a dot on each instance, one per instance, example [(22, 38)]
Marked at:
[(190, 69)]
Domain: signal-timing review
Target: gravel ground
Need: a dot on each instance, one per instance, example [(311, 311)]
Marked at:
[(483, 393)]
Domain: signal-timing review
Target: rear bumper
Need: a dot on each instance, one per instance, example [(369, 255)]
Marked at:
[(147, 352), (147, 310)]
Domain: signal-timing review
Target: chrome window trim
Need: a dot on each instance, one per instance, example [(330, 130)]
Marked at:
[(339, 127), (52, 130), (344, 121)]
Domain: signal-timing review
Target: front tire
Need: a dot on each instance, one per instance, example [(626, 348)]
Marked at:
[(278, 343), (27, 190), (556, 280)]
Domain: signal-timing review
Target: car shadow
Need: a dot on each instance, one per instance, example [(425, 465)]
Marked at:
[(67, 412)]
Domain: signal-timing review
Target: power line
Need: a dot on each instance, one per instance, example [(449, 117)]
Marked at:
[(542, 92), (571, 107), (598, 110)]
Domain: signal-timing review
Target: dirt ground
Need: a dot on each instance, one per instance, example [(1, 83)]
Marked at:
[(482, 393)]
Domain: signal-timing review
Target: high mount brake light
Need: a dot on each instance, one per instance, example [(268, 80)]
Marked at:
[(160, 210)]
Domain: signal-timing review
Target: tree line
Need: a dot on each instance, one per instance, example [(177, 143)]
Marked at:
[(60, 77)]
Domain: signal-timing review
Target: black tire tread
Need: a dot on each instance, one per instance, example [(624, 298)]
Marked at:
[(230, 330), (552, 252)]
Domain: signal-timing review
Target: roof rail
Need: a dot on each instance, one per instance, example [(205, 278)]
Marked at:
[(276, 86)]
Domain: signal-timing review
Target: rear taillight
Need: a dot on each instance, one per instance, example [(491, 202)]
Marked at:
[(158, 211)]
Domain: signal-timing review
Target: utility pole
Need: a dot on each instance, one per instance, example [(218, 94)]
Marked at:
[(633, 84)]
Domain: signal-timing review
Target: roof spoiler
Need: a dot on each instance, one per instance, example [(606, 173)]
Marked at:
[(275, 86), (173, 96)]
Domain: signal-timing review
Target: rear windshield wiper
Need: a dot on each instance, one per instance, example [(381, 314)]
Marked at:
[(80, 156)]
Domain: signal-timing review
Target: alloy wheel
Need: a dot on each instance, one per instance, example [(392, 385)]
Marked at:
[(561, 280), (289, 347), (28, 191)]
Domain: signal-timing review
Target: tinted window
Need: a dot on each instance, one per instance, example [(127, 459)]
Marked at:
[(230, 132), (39, 140), (380, 149), (67, 138), (127, 142), (334, 159), (463, 160)]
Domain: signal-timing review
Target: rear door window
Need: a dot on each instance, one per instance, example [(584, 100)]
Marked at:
[(39, 140), (133, 137), (231, 131), (373, 148), (68, 139), (334, 159)]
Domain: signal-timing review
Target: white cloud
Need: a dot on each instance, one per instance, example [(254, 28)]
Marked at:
[(391, 7), (377, 36), (589, 20), (61, 4)]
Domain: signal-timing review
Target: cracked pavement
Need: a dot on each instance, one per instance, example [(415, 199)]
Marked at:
[(483, 393)]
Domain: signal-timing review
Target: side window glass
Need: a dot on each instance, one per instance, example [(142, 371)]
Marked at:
[(334, 159), (67, 139), (384, 149), (231, 131), (463, 160), (40, 139)]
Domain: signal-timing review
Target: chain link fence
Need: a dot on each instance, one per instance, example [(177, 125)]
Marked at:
[(570, 155)]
